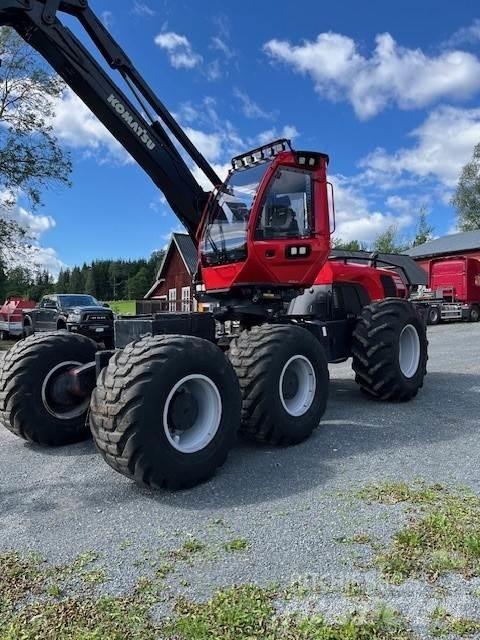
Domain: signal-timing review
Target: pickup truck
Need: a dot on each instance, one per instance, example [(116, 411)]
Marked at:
[(73, 312)]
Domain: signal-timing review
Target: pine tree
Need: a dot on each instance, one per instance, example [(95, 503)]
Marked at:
[(388, 242)]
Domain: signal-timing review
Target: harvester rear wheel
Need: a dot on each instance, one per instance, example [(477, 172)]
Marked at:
[(29, 372), (166, 411), (283, 375), (389, 349)]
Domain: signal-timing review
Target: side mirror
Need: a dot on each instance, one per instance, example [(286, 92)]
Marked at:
[(106, 305)]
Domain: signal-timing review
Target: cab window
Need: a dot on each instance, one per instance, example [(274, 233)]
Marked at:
[(287, 211)]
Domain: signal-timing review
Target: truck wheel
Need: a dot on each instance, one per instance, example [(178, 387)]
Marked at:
[(283, 374), (389, 349), (474, 313), (433, 316), (28, 375), (166, 411)]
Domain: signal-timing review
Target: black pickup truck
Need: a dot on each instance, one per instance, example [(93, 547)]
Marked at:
[(76, 313)]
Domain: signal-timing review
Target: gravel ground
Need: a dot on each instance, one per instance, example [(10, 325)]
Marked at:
[(291, 505)]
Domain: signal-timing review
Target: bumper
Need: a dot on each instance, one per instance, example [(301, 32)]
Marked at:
[(97, 332), (13, 328)]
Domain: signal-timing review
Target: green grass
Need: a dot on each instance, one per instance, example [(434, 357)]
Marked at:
[(446, 624), (247, 612), (123, 307), (441, 536), (237, 544), (33, 609)]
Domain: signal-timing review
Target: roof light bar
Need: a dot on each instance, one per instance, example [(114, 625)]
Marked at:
[(262, 154)]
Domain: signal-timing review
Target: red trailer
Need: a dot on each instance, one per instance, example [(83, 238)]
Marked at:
[(11, 316), (454, 290)]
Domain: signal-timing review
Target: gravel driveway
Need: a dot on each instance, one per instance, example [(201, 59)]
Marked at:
[(291, 506)]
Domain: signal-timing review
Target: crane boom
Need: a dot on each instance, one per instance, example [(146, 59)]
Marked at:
[(144, 136)]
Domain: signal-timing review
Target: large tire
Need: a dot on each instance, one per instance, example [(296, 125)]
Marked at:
[(389, 349), (474, 313), (26, 377), (135, 406), (273, 407)]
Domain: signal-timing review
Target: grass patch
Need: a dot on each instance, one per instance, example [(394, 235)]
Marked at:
[(443, 624), (237, 544), (123, 307), (247, 612), (239, 613), (104, 618), (188, 549), (443, 533), (398, 492), (20, 576)]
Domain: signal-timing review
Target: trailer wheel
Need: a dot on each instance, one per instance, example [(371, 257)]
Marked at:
[(433, 315), (283, 374), (389, 350), (27, 378), (166, 411), (474, 313)]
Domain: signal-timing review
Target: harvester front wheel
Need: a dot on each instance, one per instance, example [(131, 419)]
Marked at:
[(30, 404), (166, 411), (283, 375), (389, 349)]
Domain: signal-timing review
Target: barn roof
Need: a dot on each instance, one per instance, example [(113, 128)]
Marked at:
[(188, 252), (454, 243)]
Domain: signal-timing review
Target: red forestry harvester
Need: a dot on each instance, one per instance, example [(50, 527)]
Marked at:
[(165, 406)]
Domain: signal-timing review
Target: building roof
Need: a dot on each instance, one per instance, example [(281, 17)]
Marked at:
[(410, 272), (188, 252), (454, 243)]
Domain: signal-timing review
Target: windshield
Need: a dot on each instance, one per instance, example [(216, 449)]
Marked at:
[(225, 238), (77, 301)]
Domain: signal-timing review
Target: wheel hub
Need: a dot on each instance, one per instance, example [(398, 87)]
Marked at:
[(183, 410), (192, 413), (297, 386), (56, 396), (290, 384)]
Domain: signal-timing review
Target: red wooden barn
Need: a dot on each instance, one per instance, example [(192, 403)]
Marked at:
[(173, 286)]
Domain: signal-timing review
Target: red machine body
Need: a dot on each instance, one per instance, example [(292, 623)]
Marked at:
[(374, 281), (460, 276)]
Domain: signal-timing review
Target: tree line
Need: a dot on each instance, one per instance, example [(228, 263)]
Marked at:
[(103, 279)]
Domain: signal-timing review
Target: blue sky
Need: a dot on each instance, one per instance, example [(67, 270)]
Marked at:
[(389, 89)]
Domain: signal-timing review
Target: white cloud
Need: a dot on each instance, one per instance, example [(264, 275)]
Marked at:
[(392, 74), (77, 127), (179, 50), (289, 132), (465, 35), (444, 144), (142, 9), (249, 107), (355, 219), (107, 19), (220, 45), (44, 258), (209, 144)]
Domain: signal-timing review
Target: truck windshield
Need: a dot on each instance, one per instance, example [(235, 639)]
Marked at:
[(67, 302), (225, 237)]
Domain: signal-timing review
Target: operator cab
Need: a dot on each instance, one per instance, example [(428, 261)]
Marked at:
[(268, 225)]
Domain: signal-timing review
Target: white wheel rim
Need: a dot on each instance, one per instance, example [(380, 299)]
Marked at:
[(298, 403), (56, 411), (207, 421), (409, 351)]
